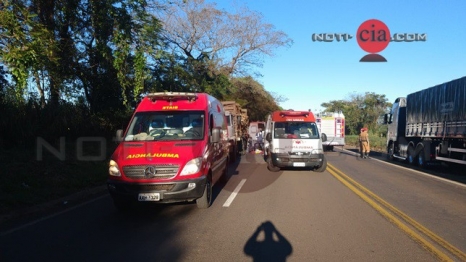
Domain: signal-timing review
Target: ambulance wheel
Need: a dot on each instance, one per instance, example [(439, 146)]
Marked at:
[(206, 199), (270, 166), (323, 167)]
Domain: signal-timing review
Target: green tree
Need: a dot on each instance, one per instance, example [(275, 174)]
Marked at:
[(252, 96), (93, 49), (26, 45), (360, 110)]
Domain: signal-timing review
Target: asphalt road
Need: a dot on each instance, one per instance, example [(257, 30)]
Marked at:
[(357, 210)]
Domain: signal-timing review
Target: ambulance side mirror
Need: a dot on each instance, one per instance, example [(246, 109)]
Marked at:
[(215, 137), (119, 136), (268, 137), (324, 137)]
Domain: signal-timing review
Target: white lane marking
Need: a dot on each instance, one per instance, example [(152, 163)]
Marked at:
[(234, 193)]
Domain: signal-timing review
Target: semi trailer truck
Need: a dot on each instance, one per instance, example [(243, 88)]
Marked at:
[(429, 126)]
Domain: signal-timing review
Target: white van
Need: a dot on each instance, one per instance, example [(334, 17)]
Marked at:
[(293, 140)]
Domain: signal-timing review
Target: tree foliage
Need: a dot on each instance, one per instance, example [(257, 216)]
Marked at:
[(360, 110), (252, 96), (231, 42), (100, 56), (93, 49)]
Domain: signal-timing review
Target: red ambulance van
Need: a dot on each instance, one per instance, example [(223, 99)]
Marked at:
[(174, 149)]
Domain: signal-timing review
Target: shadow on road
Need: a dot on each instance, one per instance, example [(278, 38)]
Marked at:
[(453, 172), (268, 246)]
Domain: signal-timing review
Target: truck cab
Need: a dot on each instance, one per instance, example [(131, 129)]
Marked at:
[(293, 140), (174, 149)]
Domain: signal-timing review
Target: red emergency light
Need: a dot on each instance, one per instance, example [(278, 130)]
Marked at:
[(293, 113), (172, 96), (290, 115)]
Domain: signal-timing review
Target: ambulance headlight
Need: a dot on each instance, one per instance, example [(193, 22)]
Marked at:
[(192, 167), (113, 169)]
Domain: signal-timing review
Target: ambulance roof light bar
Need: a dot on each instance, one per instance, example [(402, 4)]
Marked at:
[(171, 96), (293, 113)]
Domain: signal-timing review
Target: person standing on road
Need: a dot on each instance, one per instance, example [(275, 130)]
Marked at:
[(260, 139), (364, 143)]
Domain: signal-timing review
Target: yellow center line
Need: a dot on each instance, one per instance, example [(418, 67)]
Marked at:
[(368, 196)]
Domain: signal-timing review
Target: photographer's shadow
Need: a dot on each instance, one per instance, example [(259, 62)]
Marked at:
[(270, 246)]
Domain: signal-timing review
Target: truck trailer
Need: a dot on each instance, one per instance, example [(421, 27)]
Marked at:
[(237, 124), (429, 126)]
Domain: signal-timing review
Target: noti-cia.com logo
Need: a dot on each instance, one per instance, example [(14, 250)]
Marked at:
[(373, 36)]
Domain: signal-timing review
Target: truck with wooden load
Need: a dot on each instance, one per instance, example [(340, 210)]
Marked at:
[(429, 126), (237, 124)]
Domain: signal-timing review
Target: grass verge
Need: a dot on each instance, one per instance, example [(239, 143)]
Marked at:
[(30, 177), (376, 143)]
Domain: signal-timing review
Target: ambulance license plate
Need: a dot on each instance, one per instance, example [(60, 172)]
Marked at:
[(300, 164), (149, 197)]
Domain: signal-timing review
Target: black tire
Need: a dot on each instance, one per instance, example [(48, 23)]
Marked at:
[(391, 152), (270, 166), (323, 167), (411, 159), (206, 199), (421, 160)]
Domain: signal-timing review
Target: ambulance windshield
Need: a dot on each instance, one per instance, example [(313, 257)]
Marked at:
[(295, 130), (166, 125)]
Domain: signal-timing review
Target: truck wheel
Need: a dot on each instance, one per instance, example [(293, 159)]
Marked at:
[(323, 167), (421, 160), (411, 157), (206, 199), (270, 166), (391, 152)]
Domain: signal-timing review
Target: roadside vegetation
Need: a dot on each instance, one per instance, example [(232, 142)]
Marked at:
[(72, 72), (377, 143)]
